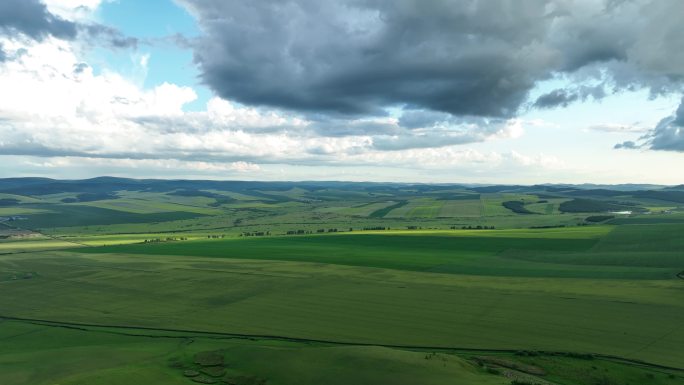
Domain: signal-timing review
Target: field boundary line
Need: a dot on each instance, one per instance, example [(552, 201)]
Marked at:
[(225, 335)]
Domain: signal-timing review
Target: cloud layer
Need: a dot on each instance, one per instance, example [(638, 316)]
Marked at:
[(32, 18), (667, 135), (302, 83), (470, 57)]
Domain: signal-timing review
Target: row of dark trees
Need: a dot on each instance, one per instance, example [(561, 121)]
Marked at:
[(377, 228), (167, 239), (255, 234), (478, 227), (298, 232), (328, 230)]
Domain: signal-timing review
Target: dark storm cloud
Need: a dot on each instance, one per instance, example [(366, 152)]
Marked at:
[(668, 134), (564, 97), (556, 98), (628, 145), (32, 18), (463, 58), (356, 57), (679, 115)]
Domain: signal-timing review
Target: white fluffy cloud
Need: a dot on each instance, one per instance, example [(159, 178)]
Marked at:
[(59, 106), (48, 79), (75, 10)]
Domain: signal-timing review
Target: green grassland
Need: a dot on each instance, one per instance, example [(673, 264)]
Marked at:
[(418, 208), (352, 304), (460, 252), (461, 208), (34, 243), (67, 215), (20, 198), (491, 298), (114, 359), (545, 206), (18, 210), (138, 206), (109, 356), (279, 211), (130, 288), (357, 210)]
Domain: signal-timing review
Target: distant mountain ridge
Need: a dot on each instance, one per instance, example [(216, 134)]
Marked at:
[(43, 186), (105, 184)]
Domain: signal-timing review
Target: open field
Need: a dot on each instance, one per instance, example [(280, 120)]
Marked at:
[(113, 356), (530, 253), (386, 285), (461, 208), (418, 208), (321, 292), (138, 206), (352, 304)]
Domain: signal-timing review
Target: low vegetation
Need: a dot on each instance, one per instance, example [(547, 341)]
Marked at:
[(178, 282)]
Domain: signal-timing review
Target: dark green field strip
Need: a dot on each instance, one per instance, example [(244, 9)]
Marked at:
[(532, 257), (404, 252), (660, 237), (380, 213), (594, 206), (517, 207), (136, 331), (499, 267), (657, 259)]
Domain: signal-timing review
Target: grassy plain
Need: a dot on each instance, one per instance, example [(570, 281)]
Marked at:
[(85, 300), (528, 253), (299, 287), (108, 357)]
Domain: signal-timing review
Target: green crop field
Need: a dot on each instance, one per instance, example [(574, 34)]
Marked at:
[(461, 208), (363, 209), (139, 206), (417, 208), (337, 284)]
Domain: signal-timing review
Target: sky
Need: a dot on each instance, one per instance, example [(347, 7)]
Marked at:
[(443, 91)]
